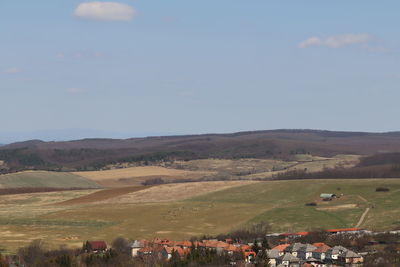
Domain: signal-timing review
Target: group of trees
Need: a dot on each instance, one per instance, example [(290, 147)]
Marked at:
[(358, 172)]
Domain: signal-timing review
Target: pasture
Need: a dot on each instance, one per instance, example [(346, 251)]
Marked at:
[(136, 175), (45, 179), (169, 212)]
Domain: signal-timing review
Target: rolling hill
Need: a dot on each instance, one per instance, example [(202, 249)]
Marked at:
[(88, 154)]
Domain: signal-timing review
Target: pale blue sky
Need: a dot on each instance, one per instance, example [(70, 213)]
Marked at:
[(175, 67)]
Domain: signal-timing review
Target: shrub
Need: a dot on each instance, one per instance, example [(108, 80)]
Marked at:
[(382, 189), (311, 204)]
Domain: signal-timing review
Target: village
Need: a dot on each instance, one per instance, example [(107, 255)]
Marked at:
[(286, 254)]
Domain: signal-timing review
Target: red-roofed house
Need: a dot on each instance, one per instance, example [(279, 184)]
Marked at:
[(281, 248), (344, 230), (183, 244), (96, 246), (320, 252), (168, 251)]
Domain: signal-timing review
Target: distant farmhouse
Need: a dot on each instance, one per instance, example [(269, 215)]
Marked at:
[(327, 196)]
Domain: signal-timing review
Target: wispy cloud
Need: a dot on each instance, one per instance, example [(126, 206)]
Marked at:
[(336, 41), (105, 11), (13, 70)]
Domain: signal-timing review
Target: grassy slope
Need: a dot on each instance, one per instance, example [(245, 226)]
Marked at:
[(279, 202), (284, 201), (45, 179)]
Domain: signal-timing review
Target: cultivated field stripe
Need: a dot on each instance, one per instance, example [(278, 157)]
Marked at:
[(103, 195)]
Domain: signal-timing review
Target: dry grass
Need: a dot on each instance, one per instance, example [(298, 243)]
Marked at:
[(313, 164), (136, 175), (103, 195), (339, 207), (175, 192)]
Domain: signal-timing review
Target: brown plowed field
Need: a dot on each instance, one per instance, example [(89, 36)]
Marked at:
[(103, 195)]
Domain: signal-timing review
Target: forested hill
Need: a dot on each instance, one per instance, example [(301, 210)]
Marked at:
[(283, 144)]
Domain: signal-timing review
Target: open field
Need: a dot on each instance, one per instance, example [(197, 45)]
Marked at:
[(137, 175), (178, 170), (103, 195), (175, 192), (312, 164), (233, 167), (282, 203), (45, 179)]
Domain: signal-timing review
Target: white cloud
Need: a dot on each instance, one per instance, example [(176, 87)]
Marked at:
[(336, 41), (74, 90), (106, 11), (12, 70)]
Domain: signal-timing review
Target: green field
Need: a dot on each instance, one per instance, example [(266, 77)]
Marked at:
[(45, 179), (282, 203)]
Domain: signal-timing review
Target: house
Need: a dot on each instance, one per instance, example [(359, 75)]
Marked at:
[(281, 248), (320, 252), (350, 257), (146, 251), (184, 244), (96, 246), (327, 196), (273, 256), (316, 263), (288, 260), (167, 252), (231, 249), (346, 231), (136, 245), (249, 255), (163, 242), (305, 252), (333, 253), (294, 249)]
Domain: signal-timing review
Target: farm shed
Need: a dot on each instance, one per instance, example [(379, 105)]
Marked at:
[(327, 196)]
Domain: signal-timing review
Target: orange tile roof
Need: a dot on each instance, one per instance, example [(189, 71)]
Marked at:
[(281, 247), (302, 233), (184, 243), (231, 248), (214, 244), (323, 248), (318, 244), (179, 250), (343, 230)]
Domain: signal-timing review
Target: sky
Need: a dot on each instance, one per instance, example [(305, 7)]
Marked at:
[(71, 69)]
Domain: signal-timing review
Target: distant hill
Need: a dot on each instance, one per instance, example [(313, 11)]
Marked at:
[(283, 144)]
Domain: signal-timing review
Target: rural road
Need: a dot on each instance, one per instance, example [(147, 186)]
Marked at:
[(362, 218)]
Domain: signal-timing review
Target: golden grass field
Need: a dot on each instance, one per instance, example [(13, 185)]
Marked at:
[(137, 175)]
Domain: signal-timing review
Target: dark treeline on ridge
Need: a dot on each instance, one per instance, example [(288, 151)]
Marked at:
[(94, 154)]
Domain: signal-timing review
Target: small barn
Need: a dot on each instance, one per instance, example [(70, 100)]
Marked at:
[(327, 196)]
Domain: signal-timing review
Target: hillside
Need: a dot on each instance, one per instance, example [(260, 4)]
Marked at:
[(43, 179), (71, 217), (91, 154)]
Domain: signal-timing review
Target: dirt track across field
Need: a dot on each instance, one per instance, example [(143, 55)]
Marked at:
[(103, 195)]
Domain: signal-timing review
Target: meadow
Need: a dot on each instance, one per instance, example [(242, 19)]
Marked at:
[(45, 179), (211, 211)]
